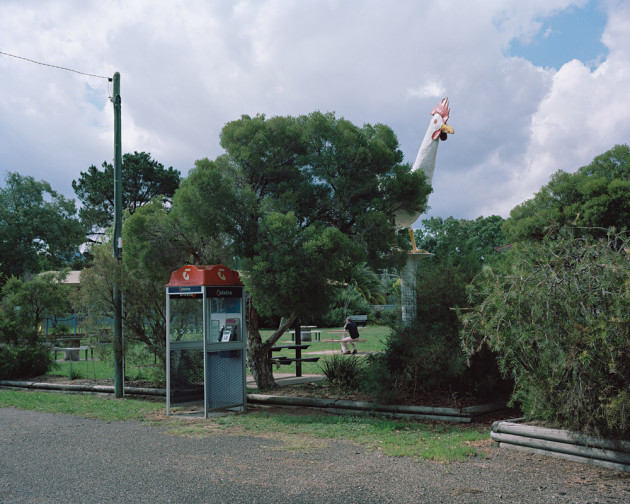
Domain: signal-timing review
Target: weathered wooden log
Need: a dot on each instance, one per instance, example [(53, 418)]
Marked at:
[(565, 456), (295, 401), (419, 412), (614, 454), (560, 447), (560, 435), (485, 408), (81, 388)]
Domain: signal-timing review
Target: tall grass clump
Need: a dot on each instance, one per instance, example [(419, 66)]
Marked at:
[(344, 373)]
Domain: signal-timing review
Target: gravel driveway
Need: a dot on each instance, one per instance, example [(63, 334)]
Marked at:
[(47, 458)]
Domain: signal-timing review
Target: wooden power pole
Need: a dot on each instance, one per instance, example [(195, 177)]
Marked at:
[(117, 241)]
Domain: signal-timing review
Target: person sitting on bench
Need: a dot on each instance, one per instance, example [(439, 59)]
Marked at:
[(351, 329)]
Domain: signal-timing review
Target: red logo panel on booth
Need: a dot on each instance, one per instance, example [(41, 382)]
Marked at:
[(216, 274)]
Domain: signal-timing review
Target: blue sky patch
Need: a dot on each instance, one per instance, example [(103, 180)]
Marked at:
[(574, 33), (95, 96)]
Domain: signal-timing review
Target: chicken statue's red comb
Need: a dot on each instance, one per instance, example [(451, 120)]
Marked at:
[(442, 109)]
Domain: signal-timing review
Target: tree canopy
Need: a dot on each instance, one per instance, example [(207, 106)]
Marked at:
[(329, 171), (39, 229), (25, 303), (596, 195), (143, 179), (463, 242)]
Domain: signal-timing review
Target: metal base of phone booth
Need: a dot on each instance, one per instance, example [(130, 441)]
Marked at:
[(224, 379), (185, 374), (206, 346)]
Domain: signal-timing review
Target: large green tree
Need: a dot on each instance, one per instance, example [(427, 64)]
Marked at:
[(39, 229), (596, 195), (461, 247), (462, 242), (293, 204), (143, 179)]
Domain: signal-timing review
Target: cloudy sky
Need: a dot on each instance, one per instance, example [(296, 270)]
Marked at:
[(534, 86)]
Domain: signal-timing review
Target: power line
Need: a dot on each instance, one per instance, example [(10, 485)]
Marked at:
[(55, 66)]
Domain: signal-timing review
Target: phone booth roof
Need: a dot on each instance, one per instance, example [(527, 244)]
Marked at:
[(215, 274)]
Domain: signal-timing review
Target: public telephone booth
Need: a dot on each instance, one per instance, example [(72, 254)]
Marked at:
[(205, 344)]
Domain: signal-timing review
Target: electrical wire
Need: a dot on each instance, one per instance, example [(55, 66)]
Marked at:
[(56, 66)]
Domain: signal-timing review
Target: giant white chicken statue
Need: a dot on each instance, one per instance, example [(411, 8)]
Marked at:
[(425, 161)]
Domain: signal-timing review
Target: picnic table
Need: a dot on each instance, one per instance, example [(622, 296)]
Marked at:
[(340, 332), (298, 359), (72, 353), (71, 347), (307, 333)]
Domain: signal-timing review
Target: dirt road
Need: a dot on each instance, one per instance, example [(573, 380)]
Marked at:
[(47, 458)]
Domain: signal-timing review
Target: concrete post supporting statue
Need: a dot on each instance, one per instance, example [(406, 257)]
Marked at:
[(408, 293)]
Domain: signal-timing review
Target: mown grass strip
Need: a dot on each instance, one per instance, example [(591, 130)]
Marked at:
[(298, 431), (398, 438), (83, 405)]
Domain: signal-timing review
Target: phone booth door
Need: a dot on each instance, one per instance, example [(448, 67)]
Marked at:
[(184, 345), (225, 348)]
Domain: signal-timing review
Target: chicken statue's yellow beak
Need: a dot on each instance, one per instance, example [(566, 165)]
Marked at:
[(444, 129)]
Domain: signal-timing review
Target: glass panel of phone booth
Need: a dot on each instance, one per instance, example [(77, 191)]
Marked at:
[(186, 318), (225, 350), (224, 318), (185, 356)]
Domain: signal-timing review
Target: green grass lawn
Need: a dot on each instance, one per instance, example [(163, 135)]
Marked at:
[(139, 365), (103, 368), (373, 334), (83, 405), (298, 430), (90, 369)]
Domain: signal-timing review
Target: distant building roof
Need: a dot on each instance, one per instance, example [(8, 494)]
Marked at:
[(73, 277)]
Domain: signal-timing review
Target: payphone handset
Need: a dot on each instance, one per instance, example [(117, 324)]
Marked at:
[(229, 332)]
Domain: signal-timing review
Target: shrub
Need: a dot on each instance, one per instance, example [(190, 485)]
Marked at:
[(378, 381), (23, 362), (559, 318), (344, 373), (141, 364), (416, 360), (427, 356)]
